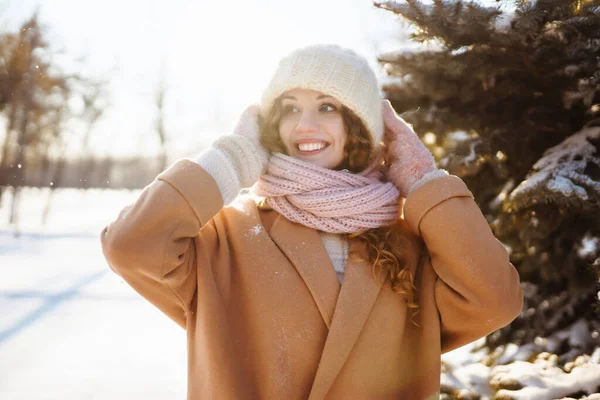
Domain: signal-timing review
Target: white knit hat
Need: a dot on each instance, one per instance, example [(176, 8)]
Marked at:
[(334, 71)]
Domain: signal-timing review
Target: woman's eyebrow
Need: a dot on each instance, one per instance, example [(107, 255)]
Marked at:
[(323, 96)]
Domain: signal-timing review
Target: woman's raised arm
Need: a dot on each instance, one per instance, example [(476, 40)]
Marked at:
[(151, 242), (155, 243), (478, 289)]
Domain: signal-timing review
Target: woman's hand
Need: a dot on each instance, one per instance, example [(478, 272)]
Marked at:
[(237, 160), (247, 127), (408, 158), (243, 148)]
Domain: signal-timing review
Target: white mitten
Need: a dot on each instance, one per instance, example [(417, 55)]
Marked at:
[(236, 161)]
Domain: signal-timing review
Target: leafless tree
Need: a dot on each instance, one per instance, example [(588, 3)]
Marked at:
[(34, 95)]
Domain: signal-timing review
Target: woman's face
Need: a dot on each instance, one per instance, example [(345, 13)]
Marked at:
[(311, 127)]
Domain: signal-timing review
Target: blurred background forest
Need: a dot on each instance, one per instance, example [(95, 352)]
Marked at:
[(47, 113), (506, 94)]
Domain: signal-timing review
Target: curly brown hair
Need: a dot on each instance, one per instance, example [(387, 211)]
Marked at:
[(385, 245)]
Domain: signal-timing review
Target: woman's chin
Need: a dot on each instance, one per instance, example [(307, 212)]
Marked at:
[(324, 162), (322, 158)]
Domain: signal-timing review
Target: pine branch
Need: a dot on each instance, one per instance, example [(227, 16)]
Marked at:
[(560, 177), (450, 22), (501, 100)]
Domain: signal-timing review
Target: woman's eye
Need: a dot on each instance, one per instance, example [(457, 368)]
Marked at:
[(327, 108), (288, 109)]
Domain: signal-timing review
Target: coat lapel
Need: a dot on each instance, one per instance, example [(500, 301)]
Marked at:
[(359, 291), (304, 248)]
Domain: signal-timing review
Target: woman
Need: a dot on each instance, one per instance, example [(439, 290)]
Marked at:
[(322, 287)]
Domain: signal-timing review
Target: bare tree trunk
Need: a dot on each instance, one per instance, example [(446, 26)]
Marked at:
[(14, 220), (5, 148), (6, 156), (14, 211), (3, 194), (8, 138), (55, 183), (22, 141), (160, 125), (19, 177), (93, 113), (47, 206)]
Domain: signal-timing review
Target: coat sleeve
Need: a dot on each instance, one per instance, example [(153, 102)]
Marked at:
[(477, 290), (152, 244)]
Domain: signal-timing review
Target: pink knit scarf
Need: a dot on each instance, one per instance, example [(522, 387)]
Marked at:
[(328, 200)]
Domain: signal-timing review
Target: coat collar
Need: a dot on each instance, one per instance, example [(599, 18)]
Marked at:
[(304, 248), (344, 309), (359, 292)]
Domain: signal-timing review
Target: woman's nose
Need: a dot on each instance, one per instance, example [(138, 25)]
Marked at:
[(307, 123)]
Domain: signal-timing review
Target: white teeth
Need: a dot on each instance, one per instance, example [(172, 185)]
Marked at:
[(311, 146)]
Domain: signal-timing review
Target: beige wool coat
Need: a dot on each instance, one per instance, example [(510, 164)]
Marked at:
[(265, 315)]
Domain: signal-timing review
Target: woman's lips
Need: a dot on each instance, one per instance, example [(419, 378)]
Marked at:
[(311, 146)]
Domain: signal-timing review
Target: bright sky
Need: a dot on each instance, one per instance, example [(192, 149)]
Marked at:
[(215, 56)]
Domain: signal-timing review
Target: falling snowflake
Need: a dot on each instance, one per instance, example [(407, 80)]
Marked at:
[(255, 230)]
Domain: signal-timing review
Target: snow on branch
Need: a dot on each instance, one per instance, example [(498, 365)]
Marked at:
[(543, 380), (567, 174)]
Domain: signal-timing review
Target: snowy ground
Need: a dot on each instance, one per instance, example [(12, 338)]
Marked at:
[(69, 327), (72, 329)]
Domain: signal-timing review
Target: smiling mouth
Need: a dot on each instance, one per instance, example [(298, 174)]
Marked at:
[(311, 147)]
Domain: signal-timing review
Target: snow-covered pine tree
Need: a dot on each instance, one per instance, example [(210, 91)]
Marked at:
[(508, 98)]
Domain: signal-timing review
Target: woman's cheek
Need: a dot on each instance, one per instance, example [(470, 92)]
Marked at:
[(338, 130), (284, 134)]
